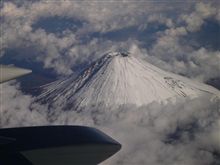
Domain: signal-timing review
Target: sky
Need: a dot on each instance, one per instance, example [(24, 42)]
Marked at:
[(59, 38)]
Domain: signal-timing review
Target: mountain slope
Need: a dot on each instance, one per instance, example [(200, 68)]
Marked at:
[(120, 78)]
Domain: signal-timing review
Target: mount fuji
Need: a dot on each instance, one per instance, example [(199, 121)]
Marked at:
[(119, 78)]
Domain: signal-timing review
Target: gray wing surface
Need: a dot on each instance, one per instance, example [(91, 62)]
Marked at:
[(10, 72), (55, 145)]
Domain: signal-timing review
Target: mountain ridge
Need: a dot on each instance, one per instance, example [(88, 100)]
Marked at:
[(119, 78)]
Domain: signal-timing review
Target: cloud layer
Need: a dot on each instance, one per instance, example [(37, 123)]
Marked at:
[(164, 33), (162, 29), (186, 132)]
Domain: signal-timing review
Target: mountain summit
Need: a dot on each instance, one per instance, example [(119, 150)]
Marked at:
[(120, 78)]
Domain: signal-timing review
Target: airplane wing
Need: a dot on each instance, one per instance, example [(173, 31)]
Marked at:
[(55, 145), (10, 72), (52, 145)]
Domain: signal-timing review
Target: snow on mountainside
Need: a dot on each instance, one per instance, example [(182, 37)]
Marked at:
[(120, 78)]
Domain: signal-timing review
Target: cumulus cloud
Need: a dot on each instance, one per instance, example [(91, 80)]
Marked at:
[(186, 132), (15, 108), (183, 133), (62, 52), (197, 18), (201, 64), (68, 48), (176, 54)]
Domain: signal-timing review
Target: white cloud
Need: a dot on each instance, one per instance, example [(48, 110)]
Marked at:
[(201, 64), (143, 131), (186, 132), (96, 17), (196, 19), (62, 52), (16, 110), (177, 55)]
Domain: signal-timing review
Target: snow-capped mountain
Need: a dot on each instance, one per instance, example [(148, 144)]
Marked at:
[(120, 78)]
